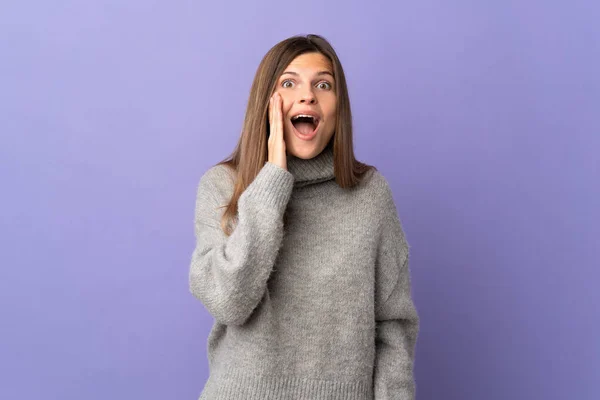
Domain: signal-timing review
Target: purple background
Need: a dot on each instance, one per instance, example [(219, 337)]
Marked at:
[(484, 116)]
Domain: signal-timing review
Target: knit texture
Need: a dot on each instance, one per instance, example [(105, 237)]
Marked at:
[(319, 308)]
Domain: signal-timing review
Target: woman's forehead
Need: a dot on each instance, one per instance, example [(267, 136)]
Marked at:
[(310, 64)]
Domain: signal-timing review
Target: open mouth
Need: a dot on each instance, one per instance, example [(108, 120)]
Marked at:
[(305, 124)]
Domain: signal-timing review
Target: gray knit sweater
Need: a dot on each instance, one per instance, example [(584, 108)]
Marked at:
[(317, 308)]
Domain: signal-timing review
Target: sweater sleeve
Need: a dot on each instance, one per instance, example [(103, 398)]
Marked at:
[(396, 318), (228, 274)]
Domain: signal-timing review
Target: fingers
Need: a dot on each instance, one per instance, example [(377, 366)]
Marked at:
[(275, 115), (271, 111), (276, 142), (278, 118)]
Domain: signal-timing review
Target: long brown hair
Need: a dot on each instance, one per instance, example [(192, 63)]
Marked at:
[(251, 152)]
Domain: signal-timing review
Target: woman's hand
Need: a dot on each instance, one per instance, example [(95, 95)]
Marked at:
[(277, 153)]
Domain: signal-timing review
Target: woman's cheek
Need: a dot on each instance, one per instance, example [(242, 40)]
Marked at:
[(285, 105)]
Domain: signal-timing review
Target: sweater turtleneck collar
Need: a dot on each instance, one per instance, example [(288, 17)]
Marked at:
[(317, 169)]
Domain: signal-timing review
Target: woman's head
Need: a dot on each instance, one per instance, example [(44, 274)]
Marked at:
[(307, 87), (308, 75)]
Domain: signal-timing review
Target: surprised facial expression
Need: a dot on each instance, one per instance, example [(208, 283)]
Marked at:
[(307, 89)]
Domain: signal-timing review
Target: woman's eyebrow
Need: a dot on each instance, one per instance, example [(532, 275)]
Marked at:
[(318, 73)]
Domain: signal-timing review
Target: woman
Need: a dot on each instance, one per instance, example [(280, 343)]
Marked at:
[(300, 255)]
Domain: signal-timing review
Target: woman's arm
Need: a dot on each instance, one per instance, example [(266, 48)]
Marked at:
[(229, 274), (397, 321)]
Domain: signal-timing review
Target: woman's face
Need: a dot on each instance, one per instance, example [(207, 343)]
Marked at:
[(307, 87)]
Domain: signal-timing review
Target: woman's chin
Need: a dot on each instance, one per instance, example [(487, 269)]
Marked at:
[(303, 151)]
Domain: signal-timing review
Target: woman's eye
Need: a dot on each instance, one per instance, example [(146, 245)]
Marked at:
[(321, 85)]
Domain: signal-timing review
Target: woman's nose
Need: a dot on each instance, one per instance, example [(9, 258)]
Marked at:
[(308, 97)]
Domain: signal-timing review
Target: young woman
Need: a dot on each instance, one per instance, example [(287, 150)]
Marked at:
[(300, 255)]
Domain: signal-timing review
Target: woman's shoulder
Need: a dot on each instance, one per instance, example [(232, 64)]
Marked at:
[(218, 179), (218, 173), (375, 183), (379, 192)]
